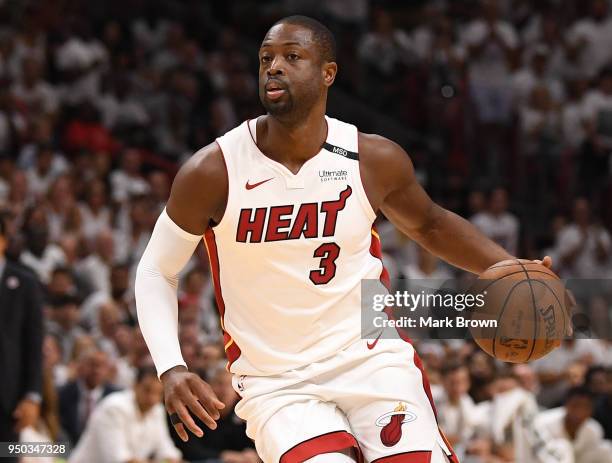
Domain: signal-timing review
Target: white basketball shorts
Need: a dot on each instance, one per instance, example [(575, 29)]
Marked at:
[(373, 400)]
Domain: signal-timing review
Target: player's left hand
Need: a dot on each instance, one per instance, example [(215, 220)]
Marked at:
[(26, 413)]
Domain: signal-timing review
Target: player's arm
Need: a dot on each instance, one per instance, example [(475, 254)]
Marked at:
[(197, 199), (389, 180)]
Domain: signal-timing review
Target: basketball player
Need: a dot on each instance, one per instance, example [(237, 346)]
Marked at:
[(286, 204)]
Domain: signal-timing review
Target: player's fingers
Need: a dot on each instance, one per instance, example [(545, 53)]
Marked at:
[(195, 407), (546, 262), (179, 408), (208, 398), (177, 424), (180, 430)]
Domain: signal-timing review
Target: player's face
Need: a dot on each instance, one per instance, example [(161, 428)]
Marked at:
[(292, 76)]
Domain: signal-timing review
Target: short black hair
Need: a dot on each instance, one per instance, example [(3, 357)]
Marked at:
[(579, 391), (144, 372), (62, 300), (452, 366), (322, 36)]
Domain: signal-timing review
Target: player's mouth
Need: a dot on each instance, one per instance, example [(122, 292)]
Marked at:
[(275, 90)]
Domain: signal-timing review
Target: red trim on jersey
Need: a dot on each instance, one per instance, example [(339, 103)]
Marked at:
[(325, 443), (231, 348), (376, 251), (417, 456)]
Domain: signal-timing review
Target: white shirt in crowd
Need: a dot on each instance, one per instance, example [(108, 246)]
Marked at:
[(525, 80), (490, 68), (586, 264), (124, 185), (572, 123), (596, 107), (588, 446), (459, 420), (557, 361), (42, 96), (52, 257), (503, 229), (596, 53), (118, 432)]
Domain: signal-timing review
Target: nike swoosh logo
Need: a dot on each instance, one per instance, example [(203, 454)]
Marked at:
[(250, 186), (371, 345)]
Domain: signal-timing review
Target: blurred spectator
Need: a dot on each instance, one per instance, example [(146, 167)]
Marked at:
[(574, 423), (597, 116), (47, 427), (63, 323), (227, 443), (603, 398), (95, 211), (38, 96), (21, 356), (457, 415), (128, 180), (129, 426), (118, 295), (537, 74), (589, 40), (78, 398), (160, 189), (40, 255), (583, 246), (497, 223), (96, 267), (491, 42), (47, 167)]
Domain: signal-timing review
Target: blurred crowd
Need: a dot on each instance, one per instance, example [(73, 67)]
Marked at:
[(511, 104)]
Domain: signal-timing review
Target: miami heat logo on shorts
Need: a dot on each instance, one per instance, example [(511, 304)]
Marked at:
[(391, 424)]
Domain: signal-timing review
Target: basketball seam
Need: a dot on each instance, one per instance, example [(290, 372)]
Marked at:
[(535, 311), (508, 275), (502, 313)]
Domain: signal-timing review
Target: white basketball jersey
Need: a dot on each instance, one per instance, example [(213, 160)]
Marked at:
[(290, 252)]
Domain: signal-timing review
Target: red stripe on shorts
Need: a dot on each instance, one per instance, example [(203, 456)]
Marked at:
[(420, 456), (325, 443)]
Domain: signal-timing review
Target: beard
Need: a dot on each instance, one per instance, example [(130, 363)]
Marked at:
[(277, 109), (291, 110)]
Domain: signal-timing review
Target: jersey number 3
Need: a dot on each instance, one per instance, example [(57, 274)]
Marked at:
[(328, 253)]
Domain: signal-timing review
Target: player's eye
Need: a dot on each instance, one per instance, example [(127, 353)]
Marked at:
[(292, 56), (266, 59)]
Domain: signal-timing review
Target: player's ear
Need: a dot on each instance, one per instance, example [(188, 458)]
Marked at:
[(330, 70)]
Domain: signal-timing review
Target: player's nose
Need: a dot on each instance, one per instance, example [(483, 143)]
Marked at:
[(276, 67)]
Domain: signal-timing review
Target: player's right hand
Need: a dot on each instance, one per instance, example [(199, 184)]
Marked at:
[(186, 392)]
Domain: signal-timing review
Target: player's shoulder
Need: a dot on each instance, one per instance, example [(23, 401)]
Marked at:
[(376, 149), (204, 170)]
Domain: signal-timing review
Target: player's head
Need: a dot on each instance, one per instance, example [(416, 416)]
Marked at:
[(296, 67), (148, 390), (578, 405)]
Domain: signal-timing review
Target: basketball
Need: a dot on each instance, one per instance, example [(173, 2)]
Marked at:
[(527, 302)]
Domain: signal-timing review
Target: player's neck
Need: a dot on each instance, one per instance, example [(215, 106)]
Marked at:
[(293, 143)]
